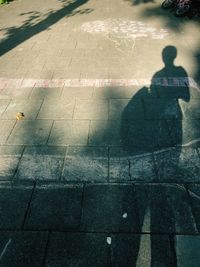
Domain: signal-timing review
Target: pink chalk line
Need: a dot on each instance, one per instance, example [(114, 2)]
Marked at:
[(55, 83)]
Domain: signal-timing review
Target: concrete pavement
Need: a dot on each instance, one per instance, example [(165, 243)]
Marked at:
[(104, 168)]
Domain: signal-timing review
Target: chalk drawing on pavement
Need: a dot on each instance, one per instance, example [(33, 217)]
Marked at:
[(123, 31)]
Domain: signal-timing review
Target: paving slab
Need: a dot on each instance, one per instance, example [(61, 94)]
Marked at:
[(55, 207), (56, 109), (194, 191), (22, 248), (164, 208), (30, 132), (178, 165), (141, 250), (41, 163), (186, 250), (109, 208), (15, 92), (3, 105), (77, 93), (14, 203), (77, 249), (30, 108), (41, 92), (69, 132), (147, 134), (9, 160), (104, 132), (6, 129), (125, 109), (91, 110), (86, 164)]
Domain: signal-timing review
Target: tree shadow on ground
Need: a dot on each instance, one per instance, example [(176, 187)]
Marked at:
[(33, 25), (172, 22), (137, 2)]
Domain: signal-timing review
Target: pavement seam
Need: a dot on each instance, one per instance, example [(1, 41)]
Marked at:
[(173, 250), (28, 205), (20, 158), (191, 205), (50, 131), (46, 249)]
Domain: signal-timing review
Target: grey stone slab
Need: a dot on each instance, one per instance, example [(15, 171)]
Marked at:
[(13, 202), (77, 92), (41, 163), (164, 208), (147, 134), (109, 208), (123, 92), (41, 92), (194, 191), (22, 248), (86, 164), (191, 109), (119, 169), (187, 250), (56, 109), (3, 104), (30, 132), (8, 167), (12, 93), (30, 108), (104, 132), (69, 132), (185, 132), (142, 168), (141, 250), (123, 109), (74, 249), (55, 207), (91, 109), (166, 108), (6, 128), (178, 164), (11, 150)]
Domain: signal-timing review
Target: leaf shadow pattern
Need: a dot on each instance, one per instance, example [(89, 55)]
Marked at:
[(33, 25)]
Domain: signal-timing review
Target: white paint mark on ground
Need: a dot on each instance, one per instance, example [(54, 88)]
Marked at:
[(5, 248), (123, 29), (109, 240), (56, 83), (125, 215)]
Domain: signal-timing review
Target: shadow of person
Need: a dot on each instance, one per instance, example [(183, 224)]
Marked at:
[(151, 122)]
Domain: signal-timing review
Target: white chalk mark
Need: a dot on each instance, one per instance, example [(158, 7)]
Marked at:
[(5, 248), (55, 83), (125, 215), (109, 240)]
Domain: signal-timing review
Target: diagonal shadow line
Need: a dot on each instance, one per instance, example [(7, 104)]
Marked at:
[(17, 36)]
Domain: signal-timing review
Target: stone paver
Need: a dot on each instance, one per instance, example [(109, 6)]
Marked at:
[(141, 250), (9, 160), (82, 250), (31, 132), (14, 203), (187, 250), (41, 163), (164, 209), (102, 110), (69, 132), (116, 210), (178, 165), (22, 248), (86, 164), (55, 207)]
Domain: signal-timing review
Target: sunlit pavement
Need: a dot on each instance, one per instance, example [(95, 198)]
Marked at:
[(99, 134)]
